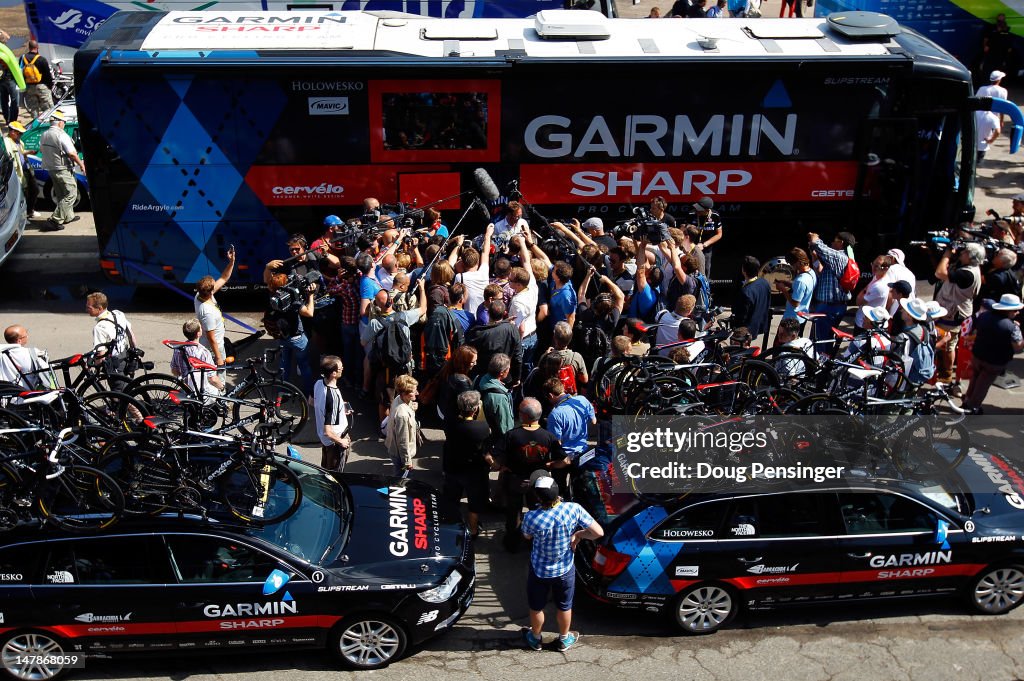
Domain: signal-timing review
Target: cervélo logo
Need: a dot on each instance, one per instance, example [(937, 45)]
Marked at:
[(328, 106), (324, 189)]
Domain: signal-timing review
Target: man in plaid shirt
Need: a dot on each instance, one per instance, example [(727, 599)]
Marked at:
[(829, 297), (555, 527)]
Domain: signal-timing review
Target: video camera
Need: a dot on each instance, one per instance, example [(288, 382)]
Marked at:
[(293, 294), (642, 225)]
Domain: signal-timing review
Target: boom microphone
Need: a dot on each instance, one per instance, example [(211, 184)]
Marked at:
[(486, 185), (481, 209)]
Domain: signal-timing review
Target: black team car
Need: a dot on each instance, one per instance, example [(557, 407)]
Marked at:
[(704, 557), (365, 568)]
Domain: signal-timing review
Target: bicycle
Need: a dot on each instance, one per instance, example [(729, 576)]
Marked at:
[(56, 490), (254, 400), (190, 473)]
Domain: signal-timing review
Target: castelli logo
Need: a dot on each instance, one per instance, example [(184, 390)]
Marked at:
[(303, 191)]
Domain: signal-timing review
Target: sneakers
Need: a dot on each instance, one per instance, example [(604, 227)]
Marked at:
[(51, 226), (532, 642), (569, 641), (74, 219), (35, 215)]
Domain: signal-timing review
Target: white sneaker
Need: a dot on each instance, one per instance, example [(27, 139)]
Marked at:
[(34, 215)]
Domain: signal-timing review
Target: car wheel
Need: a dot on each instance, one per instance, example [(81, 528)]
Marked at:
[(45, 650), (997, 590), (368, 642), (705, 608), (48, 192)]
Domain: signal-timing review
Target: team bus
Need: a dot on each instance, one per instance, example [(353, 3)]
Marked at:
[(62, 26), (205, 129)]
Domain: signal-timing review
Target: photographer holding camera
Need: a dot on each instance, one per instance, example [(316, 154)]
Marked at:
[(958, 287), (291, 299)]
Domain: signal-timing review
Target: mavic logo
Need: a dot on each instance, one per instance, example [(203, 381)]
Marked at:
[(69, 19)]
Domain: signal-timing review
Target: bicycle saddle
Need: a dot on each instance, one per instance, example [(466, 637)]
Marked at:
[(175, 344), (197, 363), (862, 374)]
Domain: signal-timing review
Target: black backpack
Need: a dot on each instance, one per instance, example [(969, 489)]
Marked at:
[(591, 342), (392, 344)]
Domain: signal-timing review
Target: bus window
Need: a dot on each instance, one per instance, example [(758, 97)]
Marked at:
[(886, 172)]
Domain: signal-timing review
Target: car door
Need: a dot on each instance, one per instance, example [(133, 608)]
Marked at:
[(781, 548), (106, 593), (231, 593), (891, 546)]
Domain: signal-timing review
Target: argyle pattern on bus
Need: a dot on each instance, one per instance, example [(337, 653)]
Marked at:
[(191, 141)]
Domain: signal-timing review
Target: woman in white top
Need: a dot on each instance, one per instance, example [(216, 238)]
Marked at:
[(876, 293)]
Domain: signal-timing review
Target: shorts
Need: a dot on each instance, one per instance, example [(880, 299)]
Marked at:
[(563, 588), (474, 485)]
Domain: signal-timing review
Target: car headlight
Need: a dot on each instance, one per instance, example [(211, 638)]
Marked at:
[(441, 593)]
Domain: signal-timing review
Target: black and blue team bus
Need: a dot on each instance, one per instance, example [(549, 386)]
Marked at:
[(204, 129)]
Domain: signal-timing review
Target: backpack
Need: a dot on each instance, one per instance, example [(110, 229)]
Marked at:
[(31, 72), (922, 351), (703, 291), (391, 347), (567, 374), (851, 275), (590, 341)]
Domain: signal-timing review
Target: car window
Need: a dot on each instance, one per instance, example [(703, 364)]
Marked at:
[(879, 513), (703, 521), (779, 515), (18, 564), (114, 560), (214, 559)]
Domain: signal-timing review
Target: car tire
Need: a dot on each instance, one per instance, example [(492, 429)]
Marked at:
[(997, 589), (31, 642), (705, 608), (48, 193), (367, 641)]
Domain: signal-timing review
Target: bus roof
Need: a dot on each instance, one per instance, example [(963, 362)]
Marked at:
[(581, 35)]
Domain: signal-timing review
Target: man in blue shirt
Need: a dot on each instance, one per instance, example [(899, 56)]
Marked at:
[(800, 291), (569, 420), (562, 307), (556, 527)]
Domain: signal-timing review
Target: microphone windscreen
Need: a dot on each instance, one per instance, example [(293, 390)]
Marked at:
[(481, 209), (486, 185)]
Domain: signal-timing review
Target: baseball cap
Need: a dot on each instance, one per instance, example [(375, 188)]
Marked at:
[(996, 75), (705, 203), (58, 115), (593, 223), (897, 254), (16, 126), (544, 486), (901, 286)]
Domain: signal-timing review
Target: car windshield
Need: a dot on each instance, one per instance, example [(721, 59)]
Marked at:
[(946, 496), (321, 524)]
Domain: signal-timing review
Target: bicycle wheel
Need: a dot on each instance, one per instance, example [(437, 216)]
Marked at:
[(159, 392), (930, 447), (278, 403), (756, 374), (135, 461), (261, 492), (117, 411), (818, 403), (81, 498), (770, 401), (10, 484)]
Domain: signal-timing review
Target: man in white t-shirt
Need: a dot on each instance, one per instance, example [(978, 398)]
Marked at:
[(472, 268), (208, 311), (987, 123), (995, 86), (668, 322), (331, 417), (523, 308), (28, 367)]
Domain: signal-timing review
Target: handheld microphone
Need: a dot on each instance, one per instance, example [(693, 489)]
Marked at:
[(486, 185)]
